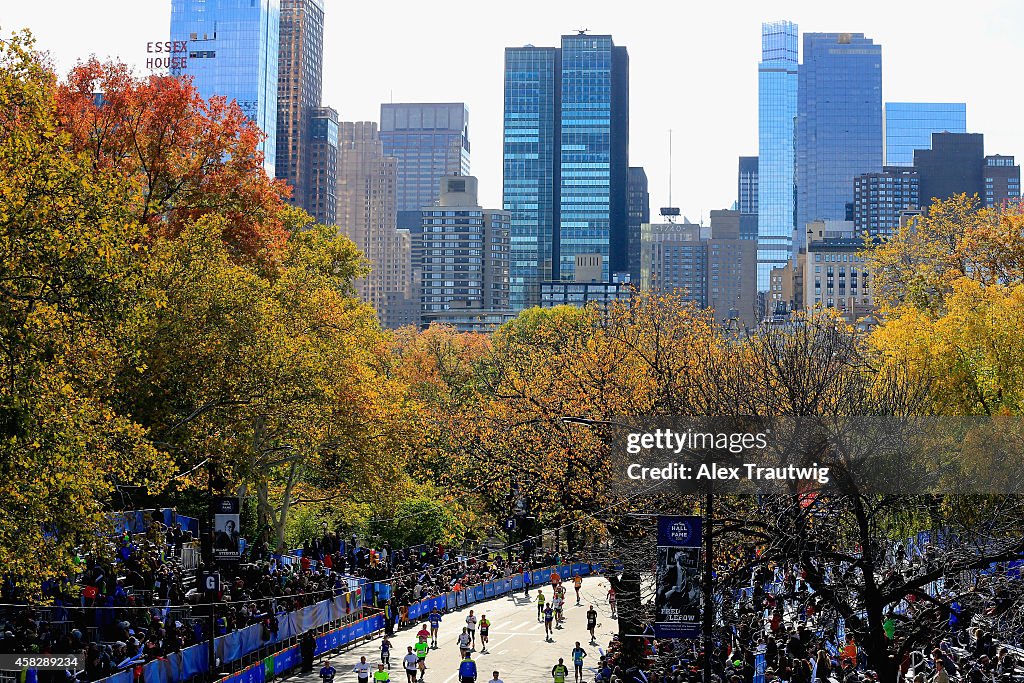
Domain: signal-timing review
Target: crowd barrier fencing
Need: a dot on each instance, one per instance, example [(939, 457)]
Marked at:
[(137, 521), (235, 647), (238, 645)]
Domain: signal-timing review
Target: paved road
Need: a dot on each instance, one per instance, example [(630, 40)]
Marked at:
[(517, 648)]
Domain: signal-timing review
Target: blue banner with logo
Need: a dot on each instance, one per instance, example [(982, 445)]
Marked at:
[(677, 603), (759, 667)]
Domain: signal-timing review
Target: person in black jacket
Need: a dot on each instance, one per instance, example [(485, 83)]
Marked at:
[(307, 645)]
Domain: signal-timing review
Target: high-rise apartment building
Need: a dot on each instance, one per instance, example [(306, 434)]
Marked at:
[(299, 87), (880, 198), (367, 188), (465, 252), (566, 146), (909, 126), (322, 179), (952, 166), (838, 125), (430, 141), (638, 211), (776, 109), (233, 52), (1002, 181), (710, 266)]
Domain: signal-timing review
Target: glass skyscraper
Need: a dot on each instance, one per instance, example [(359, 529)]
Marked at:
[(839, 124), (430, 141), (530, 170), (777, 99), (909, 126), (566, 146), (233, 52)]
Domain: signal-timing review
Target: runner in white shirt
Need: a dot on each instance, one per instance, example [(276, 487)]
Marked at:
[(362, 670), (464, 640), (409, 663), (556, 604), (471, 626)]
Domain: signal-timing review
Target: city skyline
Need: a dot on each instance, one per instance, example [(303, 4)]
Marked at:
[(712, 111)]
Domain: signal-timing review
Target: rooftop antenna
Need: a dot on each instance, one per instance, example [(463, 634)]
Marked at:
[(670, 212)]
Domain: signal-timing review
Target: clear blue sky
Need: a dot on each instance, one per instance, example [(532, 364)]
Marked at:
[(693, 65)]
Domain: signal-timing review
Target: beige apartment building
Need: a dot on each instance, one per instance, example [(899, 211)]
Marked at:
[(709, 265), (366, 193)]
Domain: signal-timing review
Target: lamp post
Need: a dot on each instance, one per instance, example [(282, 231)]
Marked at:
[(707, 618)]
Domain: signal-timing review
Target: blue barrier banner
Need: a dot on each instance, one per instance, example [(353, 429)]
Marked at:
[(488, 590), (536, 578), (194, 661), (504, 586), (451, 601), (517, 582), (759, 667), (289, 659), (545, 576), (576, 568), (478, 593)]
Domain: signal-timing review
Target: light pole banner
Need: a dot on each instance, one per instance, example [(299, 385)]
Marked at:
[(677, 604)]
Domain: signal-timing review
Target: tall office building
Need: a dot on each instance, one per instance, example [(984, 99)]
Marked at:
[(838, 126), (367, 189), (746, 197), (776, 109), (465, 252), (952, 166), (430, 141), (233, 52), (909, 126), (746, 185), (638, 211), (879, 199), (322, 180), (566, 146), (299, 87), (1002, 181)]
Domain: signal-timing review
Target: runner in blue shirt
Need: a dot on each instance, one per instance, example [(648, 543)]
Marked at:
[(578, 653), (435, 622)]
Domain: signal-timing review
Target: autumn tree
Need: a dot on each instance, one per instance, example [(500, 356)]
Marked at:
[(71, 301)]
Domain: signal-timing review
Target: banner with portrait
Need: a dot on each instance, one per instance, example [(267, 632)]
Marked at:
[(678, 601), (226, 531)]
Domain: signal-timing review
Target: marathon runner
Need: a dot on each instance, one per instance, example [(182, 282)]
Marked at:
[(380, 675), (559, 671), (385, 652), (611, 603), (549, 616), (540, 605), (423, 632), (578, 654), (467, 670), (327, 673), (556, 603), (435, 623), (422, 649), (592, 624), (410, 663), (471, 627), (485, 624), (577, 583), (362, 670), (464, 640)]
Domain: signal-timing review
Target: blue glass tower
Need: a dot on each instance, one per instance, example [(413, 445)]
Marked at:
[(233, 52), (909, 126), (566, 146), (839, 124), (776, 93), (529, 167)]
